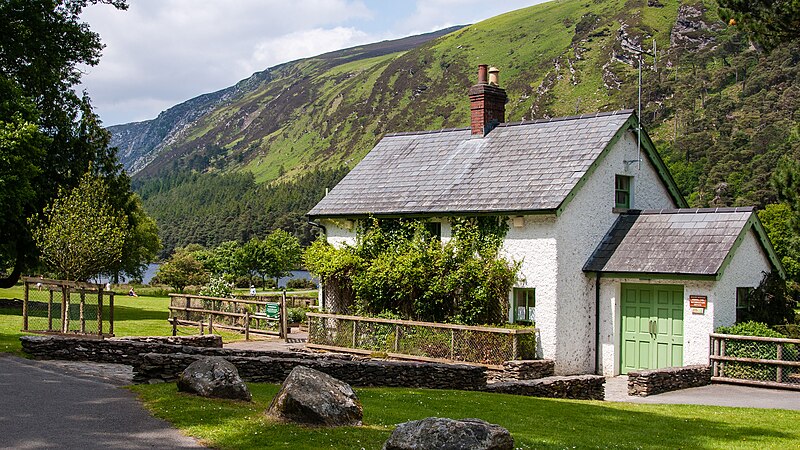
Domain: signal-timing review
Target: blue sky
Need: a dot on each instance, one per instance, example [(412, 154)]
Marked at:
[(162, 52)]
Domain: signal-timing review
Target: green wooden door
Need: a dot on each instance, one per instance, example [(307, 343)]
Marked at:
[(652, 326)]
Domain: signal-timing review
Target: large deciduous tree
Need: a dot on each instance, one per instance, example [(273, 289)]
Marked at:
[(283, 254), (50, 135), (81, 234), (182, 270)]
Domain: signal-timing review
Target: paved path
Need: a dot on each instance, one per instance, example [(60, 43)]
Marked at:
[(48, 405), (714, 395)]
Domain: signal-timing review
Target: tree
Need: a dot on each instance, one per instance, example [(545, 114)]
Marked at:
[(778, 221), (256, 258), (81, 234), (182, 270), (283, 254), (770, 22), (42, 45), (772, 302)]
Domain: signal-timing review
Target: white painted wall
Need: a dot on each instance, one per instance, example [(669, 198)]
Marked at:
[(744, 270), (534, 245), (581, 228), (340, 232)]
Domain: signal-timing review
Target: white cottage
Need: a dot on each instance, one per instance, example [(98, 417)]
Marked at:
[(618, 274)]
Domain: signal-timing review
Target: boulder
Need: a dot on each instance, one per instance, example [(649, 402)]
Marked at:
[(213, 377), (449, 434), (311, 397)]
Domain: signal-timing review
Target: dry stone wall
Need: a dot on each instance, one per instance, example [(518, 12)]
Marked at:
[(650, 382), (582, 387), (155, 367)]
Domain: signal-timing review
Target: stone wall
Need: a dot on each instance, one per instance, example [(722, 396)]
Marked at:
[(156, 367), (128, 351), (529, 369), (650, 382), (207, 340), (581, 387)]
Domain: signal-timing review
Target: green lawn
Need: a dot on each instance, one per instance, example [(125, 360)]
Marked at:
[(534, 423), (133, 316)]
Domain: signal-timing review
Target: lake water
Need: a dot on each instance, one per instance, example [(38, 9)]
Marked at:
[(151, 270)]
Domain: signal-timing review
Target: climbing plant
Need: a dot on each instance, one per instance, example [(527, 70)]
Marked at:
[(397, 266)]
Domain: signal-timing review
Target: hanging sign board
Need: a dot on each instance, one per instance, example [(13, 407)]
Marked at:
[(698, 303), (273, 310)]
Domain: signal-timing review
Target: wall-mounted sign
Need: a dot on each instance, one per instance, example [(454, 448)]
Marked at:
[(698, 301)]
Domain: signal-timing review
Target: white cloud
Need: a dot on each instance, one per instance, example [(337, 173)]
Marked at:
[(431, 15), (302, 44)]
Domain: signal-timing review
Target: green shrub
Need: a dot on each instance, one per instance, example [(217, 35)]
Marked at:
[(295, 315), (754, 350), (300, 283), (217, 287)]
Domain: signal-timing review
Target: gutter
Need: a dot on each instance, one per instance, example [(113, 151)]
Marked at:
[(597, 323)]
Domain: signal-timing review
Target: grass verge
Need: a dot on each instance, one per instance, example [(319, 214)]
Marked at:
[(534, 422)]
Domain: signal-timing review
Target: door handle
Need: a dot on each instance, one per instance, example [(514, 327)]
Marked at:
[(650, 327)]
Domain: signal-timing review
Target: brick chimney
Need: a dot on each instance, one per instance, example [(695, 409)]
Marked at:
[(487, 102)]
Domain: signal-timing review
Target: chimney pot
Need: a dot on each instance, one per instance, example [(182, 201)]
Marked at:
[(482, 70), (494, 76), (487, 102)]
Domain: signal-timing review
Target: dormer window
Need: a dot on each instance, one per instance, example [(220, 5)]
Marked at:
[(622, 192)]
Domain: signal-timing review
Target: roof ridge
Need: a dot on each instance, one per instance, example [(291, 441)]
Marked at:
[(739, 209), (413, 133), (621, 112)]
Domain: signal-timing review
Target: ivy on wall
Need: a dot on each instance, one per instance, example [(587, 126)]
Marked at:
[(398, 267)]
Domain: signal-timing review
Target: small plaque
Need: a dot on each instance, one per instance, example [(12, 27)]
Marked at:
[(698, 311), (273, 310), (698, 301)]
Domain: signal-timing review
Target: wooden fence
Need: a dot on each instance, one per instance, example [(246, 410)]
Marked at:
[(756, 360), (425, 341), (247, 316), (66, 307)]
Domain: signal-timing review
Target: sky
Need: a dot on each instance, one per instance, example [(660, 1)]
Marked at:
[(162, 52)]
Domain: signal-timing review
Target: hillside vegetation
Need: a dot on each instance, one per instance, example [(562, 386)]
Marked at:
[(720, 111)]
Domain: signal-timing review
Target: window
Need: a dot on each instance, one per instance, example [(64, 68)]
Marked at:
[(622, 191), (742, 302), (524, 305), (434, 229)]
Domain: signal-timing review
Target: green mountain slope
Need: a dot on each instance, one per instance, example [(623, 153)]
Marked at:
[(721, 112)]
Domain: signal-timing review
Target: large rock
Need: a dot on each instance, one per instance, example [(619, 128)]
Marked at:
[(311, 397), (213, 377), (449, 434)]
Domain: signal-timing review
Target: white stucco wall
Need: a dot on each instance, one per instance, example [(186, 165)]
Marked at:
[(340, 232), (581, 228), (534, 245), (744, 270)]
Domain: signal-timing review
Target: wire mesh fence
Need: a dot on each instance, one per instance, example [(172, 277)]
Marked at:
[(247, 316), (773, 362), (423, 340), (57, 306)]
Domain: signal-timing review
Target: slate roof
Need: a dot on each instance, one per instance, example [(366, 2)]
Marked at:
[(675, 241), (523, 166)]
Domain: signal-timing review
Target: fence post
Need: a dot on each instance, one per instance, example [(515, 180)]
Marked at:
[(722, 353), (715, 352), (396, 338), (247, 325), (111, 313), (452, 344), (202, 326), (100, 313), (514, 346), (64, 307), (186, 307), (25, 307), (210, 324), (81, 315), (174, 326), (355, 329), (779, 368), (50, 311), (284, 334)]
